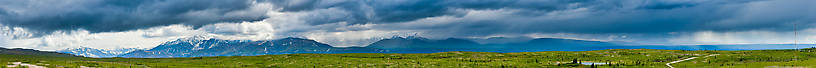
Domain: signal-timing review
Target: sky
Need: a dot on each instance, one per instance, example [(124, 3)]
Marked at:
[(60, 24)]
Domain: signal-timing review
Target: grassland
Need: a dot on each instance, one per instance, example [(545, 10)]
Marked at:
[(617, 58)]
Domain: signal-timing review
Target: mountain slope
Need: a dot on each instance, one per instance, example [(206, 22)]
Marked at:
[(549, 43), (197, 46), (419, 42), (202, 46), (20, 51), (422, 45), (98, 53)]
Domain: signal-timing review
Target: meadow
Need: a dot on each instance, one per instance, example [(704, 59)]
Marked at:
[(613, 58)]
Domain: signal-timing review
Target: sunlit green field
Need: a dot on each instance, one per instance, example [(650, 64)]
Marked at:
[(617, 58)]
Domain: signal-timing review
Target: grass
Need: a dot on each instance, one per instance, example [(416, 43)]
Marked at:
[(625, 58)]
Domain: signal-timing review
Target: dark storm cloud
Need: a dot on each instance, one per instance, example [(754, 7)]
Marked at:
[(631, 16), (390, 11), (603, 16), (119, 15), (522, 17)]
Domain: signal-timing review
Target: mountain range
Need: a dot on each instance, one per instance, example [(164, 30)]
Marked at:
[(203, 46), (32, 52), (424, 45), (200, 46), (91, 52)]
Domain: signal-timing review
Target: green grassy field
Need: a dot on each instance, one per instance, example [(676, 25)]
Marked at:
[(617, 58)]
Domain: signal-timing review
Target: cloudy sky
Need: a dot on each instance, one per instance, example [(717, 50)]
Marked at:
[(59, 24)]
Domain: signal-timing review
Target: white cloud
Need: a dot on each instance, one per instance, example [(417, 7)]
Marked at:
[(15, 32), (354, 38), (143, 38), (241, 31), (745, 37)]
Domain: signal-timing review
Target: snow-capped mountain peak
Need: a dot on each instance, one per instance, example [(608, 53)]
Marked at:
[(195, 47), (92, 52)]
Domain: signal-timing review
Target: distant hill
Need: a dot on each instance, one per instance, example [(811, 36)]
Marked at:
[(20, 51), (198, 46), (422, 45), (419, 42), (98, 53), (557, 43)]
